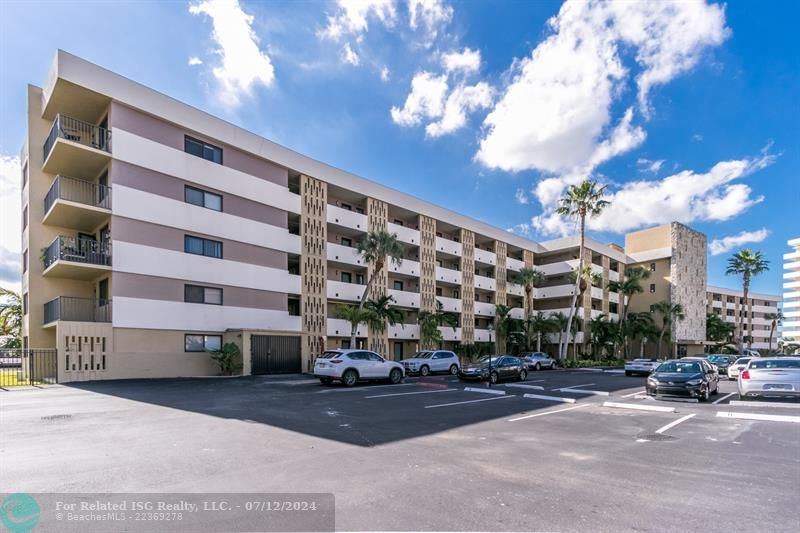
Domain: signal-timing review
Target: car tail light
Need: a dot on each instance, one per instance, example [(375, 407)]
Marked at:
[(335, 361), (745, 375)]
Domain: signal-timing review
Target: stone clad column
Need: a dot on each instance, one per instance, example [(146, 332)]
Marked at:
[(500, 277), (427, 261), (467, 287), (527, 257), (313, 266), (377, 220), (606, 271)]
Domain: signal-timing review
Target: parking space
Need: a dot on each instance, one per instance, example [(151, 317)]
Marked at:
[(440, 449)]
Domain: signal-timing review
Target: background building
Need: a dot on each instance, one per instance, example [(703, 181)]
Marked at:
[(791, 293), (759, 311)]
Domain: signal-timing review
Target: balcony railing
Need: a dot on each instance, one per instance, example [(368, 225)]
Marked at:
[(79, 191), (78, 250), (79, 131), (77, 310)]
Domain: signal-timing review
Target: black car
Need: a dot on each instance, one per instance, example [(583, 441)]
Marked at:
[(495, 368), (680, 377), (722, 361)]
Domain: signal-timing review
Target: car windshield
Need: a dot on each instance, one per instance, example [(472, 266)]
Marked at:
[(328, 355), (643, 361), (486, 358), (776, 363), (718, 358), (680, 367), (423, 355), (742, 361)]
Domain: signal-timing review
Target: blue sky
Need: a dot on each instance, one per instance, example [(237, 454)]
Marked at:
[(687, 111)]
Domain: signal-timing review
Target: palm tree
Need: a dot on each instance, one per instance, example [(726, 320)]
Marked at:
[(502, 323), (382, 312), (534, 326), (604, 333), (560, 321), (588, 278), (529, 278), (718, 330), (639, 326), (10, 318), (430, 322), (627, 287), (775, 319), (747, 264), (355, 315), (375, 248), (579, 202), (669, 313)]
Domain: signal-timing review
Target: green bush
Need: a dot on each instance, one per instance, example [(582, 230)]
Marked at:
[(228, 358), (592, 363)]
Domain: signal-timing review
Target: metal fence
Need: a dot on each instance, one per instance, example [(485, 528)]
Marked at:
[(79, 191), (79, 131), (21, 367), (78, 250), (77, 310)]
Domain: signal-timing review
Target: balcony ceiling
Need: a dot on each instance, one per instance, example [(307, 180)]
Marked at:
[(75, 101), (73, 215), (69, 158), (79, 271)]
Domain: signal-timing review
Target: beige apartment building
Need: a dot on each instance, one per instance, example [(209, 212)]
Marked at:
[(791, 294), (154, 231), (757, 312)]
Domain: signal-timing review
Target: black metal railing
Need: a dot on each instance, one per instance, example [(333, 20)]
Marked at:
[(79, 191), (77, 310), (79, 131), (78, 250), (20, 367)]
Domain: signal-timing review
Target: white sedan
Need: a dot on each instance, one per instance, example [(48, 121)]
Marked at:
[(351, 366), (736, 368), (641, 366)]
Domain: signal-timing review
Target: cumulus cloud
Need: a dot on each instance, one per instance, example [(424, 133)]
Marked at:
[(352, 16), (349, 56), (429, 13), (687, 197), (242, 63), (467, 61), (725, 244), (194, 60), (521, 197), (426, 100), (649, 165), (385, 73), (462, 100)]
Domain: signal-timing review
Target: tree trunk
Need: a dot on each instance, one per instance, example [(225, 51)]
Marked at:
[(370, 281), (749, 311), (660, 340), (578, 277), (771, 333)]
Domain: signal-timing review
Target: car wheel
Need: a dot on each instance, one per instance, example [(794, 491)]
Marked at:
[(395, 376), (628, 373), (326, 381), (705, 396), (454, 370), (537, 367), (553, 365), (494, 377), (424, 371), (523, 375), (350, 378)]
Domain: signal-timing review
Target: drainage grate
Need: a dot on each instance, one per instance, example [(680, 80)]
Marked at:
[(55, 418), (656, 437)]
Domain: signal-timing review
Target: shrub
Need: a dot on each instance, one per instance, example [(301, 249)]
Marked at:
[(228, 358)]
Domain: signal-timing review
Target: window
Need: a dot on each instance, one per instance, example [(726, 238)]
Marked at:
[(25, 217), (346, 242), (201, 343), (730, 312), (345, 344), (293, 306), (360, 279), (438, 291), (652, 267), (652, 287), (399, 222), (398, 285), (25, 303), (24, 174), (347, 277), (202, 198), (360, 210), (202, 149), (202, 295), (200, 246), (347, 207), (24, 261)]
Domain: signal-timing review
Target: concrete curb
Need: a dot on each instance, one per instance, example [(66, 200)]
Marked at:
[(746, 403), (758, 416), (521, 386), (583, 391), (549, 398), (485, 391), (635, 407)]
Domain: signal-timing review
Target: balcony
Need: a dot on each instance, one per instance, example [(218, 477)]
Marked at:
[(451, 305), (448, 275), (514, 264), (404, 331), (67, 308), (76, 148), (404, 234), (345, 218), (76, 258), (448, 247), (76, 204), (405, 298), (516, 289), (344, 254), (341, 328), (484, 309), (450, 334), (482, 282), (409, 267), (557, 291), (338, 290), (484, 256)]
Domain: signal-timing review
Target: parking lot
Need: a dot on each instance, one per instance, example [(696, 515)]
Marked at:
[(567, 450)]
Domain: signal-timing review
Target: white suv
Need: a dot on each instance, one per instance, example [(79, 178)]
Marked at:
[(430, 361), (350, 366)]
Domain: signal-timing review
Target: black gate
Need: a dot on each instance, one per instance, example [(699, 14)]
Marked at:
[(275, 354), (28, 367)]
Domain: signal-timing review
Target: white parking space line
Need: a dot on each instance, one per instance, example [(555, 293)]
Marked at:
[(759, 416), (409, 393), (638, 407), (521, 386), (675, 423), (576, 386), (582, 391), (469, 401), (485, 391), (633, 394), (723, 398), (747, 403), (549, 412), (366, 387), (549, 398)]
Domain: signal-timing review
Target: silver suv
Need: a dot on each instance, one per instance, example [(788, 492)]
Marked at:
[(429, 361)]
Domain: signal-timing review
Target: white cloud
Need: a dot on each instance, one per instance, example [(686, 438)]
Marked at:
[(243, 64), (468, 61), (649, 165), (685, 197), (194, 60), (10, 221), (349, 56), (352, 17), (720, 246), (385, 73), (521, 197), (426, 100), (556, 114), (462, 100), (432, 14)]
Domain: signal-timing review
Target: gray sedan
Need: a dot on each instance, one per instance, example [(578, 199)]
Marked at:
[(771, 376)]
